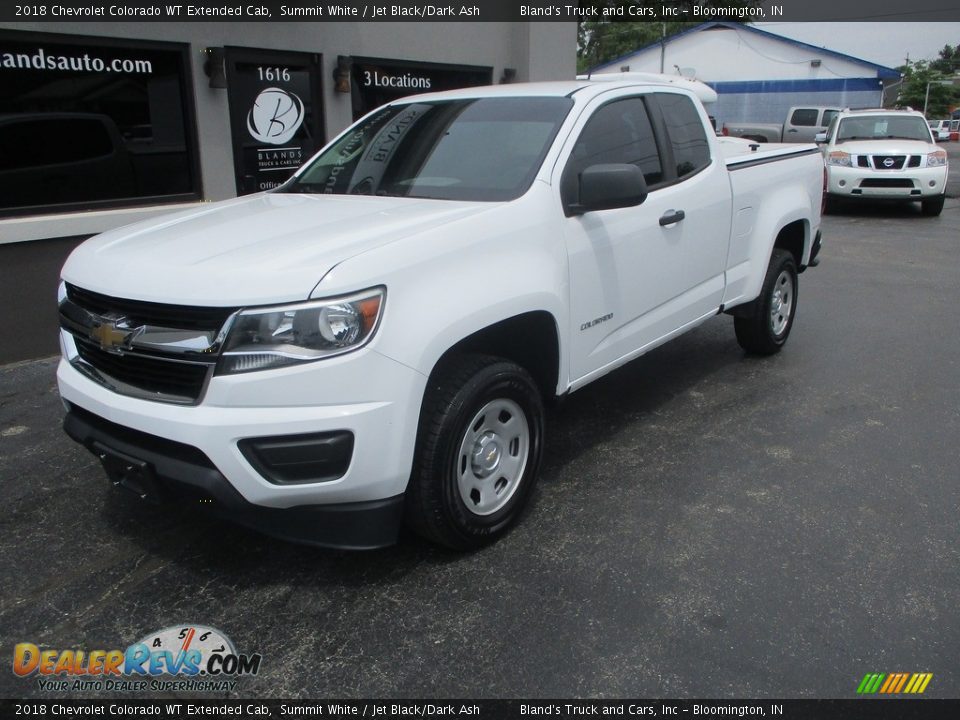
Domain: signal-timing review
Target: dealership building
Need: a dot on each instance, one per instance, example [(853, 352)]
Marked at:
[(105, 124), (759, 75)]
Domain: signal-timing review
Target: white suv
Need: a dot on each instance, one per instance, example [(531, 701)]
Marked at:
[(940, 130), (884, 154)]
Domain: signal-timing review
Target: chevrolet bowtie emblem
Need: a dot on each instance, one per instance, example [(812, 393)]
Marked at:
[(110, 336)]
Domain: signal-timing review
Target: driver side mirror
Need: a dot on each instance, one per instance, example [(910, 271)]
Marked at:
[(820, 138), (608, 186)]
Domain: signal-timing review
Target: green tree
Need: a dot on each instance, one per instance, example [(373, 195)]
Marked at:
[(913, 92), (949, 61), (602, 39)]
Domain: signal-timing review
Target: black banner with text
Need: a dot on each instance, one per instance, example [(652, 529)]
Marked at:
[(177, 709), (101, 11)]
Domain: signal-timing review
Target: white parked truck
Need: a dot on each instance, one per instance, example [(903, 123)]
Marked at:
[(374, 341)]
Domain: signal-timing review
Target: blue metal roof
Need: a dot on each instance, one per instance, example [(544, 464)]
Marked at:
[(882, 70)]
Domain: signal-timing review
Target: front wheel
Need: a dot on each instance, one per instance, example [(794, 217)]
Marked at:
[(478, 451), (764, 325), (932, 206)]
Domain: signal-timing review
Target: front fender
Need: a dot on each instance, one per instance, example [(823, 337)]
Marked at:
[(446, 284)]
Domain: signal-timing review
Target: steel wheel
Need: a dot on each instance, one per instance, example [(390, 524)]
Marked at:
[(493, 456), (781, 303), (763, 325), (478, 451)]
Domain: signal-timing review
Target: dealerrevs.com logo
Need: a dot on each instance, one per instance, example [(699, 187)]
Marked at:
[(179, 658)]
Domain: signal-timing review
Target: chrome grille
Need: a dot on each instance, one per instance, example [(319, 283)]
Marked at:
[(147, 377), (140, 312), (143, 349), (889, 162)]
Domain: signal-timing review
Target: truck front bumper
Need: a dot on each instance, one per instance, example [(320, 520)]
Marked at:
[(907, 184), (243, 450), (183, 474)]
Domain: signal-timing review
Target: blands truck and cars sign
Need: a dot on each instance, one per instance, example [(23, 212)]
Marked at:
[(275, 114)]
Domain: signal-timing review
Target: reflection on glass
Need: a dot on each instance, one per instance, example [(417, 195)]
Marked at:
[(477, 149)]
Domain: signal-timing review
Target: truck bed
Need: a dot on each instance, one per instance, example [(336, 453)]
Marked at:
[(765, 186), (737, 152)]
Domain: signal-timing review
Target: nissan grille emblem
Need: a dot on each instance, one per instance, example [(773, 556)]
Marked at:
[(888, 162)]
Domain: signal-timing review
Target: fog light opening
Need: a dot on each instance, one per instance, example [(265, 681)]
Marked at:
[(308, 458), (843, 183)]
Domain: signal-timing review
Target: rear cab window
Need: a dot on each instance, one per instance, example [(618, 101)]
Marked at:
[(688, 139)]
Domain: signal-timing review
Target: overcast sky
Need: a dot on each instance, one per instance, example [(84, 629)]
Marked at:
[(886, 43)]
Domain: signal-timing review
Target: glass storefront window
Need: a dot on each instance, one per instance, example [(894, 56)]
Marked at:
[(93, 122), (377, 81)]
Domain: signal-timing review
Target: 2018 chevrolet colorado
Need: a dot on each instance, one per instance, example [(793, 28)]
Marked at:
[(374, 341)]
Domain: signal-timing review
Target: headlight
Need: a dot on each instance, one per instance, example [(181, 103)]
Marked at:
[(273, 337), (838, 157), (938, 158)]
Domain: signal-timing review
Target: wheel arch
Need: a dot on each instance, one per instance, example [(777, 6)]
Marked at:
[(530, 339), (793, 237), (790, 231)]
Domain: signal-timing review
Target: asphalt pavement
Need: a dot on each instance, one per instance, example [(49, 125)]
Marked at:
[(707, 524)]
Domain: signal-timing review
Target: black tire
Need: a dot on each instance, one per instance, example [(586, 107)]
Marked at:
[(755, 325), (932, 206), (456, 393), (830, 205)]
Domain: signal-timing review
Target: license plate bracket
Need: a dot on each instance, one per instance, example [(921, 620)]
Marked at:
[(129, 473)]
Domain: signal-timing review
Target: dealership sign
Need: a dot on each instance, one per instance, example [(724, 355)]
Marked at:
[(377, 81), (275, 115)]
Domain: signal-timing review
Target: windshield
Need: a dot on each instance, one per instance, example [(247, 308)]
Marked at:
[(476, 149), (881, 127)]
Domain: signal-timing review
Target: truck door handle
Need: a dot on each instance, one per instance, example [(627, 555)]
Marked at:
[(792, 130), (671, 216)]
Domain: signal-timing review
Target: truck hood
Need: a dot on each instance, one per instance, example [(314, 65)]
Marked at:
[(260, 249), (885, 147)]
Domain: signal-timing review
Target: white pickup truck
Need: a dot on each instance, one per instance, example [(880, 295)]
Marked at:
[(374, 341)]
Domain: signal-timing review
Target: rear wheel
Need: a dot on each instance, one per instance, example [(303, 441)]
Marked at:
[(932, 206), (764, 325), (478, 451)]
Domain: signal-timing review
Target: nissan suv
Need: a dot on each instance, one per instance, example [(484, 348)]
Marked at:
[(884, 154)]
